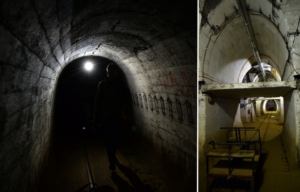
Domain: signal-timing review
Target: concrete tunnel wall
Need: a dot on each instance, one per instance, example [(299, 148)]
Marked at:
[(225, 53), (279, 110), (230, 52), (260, 110), (39, 38), (290, 133)]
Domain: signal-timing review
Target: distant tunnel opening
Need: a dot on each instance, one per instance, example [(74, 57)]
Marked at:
[(75, 95), (271, 105), (153, 43), (74, 131)]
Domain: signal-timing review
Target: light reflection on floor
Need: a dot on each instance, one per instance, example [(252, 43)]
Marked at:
[(268, 124), (276, 176)]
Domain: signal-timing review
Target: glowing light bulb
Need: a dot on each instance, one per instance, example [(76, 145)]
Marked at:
[(88, 66)]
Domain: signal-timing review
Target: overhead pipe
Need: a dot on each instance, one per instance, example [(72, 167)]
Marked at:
[(246, 18)]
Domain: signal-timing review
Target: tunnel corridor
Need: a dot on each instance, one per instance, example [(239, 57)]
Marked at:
[(190, 68), (73, 132), (152, 42), (248, 55)]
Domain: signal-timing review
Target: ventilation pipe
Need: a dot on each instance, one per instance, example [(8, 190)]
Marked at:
[(246, 18)]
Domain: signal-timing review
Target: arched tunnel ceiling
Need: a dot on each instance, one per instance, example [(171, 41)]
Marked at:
[(39, 38), (153, 42), (226, 54), (56, 32)]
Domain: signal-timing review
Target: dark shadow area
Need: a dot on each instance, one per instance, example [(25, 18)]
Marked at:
[(140, 148), (65, 167), (228, 185), (123, 186), (260, 172), (232, 184), (134, 179), (271, 105), (103, 188), (75, 96)]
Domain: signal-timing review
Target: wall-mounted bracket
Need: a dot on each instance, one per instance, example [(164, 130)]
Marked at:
[(201, 83)]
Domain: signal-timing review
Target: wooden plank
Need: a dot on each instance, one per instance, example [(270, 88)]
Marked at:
[(256, 158), (244, 139), (233, 153), (219, 171), (242, 172), (242, 169)]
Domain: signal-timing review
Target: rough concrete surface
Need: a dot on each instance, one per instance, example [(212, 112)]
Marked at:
[(67, 169), (226, 57), (243, 90), (154, 44)]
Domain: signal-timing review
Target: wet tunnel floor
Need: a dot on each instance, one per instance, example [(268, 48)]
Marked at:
[(67, 169), (275, 175)]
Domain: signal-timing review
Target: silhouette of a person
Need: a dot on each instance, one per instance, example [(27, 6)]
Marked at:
[(109, 107)]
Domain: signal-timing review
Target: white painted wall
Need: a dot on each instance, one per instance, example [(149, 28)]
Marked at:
[(278, 111), (258, 108), (230, 52), (223, 113), (227, 56), (290, 132), (281, 108), (237, 120), (264, 106)]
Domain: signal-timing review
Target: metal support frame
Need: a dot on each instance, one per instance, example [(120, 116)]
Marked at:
[(246, 18)]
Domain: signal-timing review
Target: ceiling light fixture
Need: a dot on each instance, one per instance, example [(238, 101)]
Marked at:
[(88, 66)]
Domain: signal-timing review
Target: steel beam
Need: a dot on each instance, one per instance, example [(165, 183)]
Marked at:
[(246, 18)]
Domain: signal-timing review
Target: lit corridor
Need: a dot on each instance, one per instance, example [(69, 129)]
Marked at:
[(275, 176)]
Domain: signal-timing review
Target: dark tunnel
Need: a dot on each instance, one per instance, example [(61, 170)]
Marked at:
[(271, 105), (154, 45), (75, 95)]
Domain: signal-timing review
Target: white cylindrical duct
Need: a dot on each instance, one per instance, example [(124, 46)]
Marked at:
[(280, 109), (258, 108)]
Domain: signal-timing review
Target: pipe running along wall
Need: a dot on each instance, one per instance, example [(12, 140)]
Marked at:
[(226, 54)]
